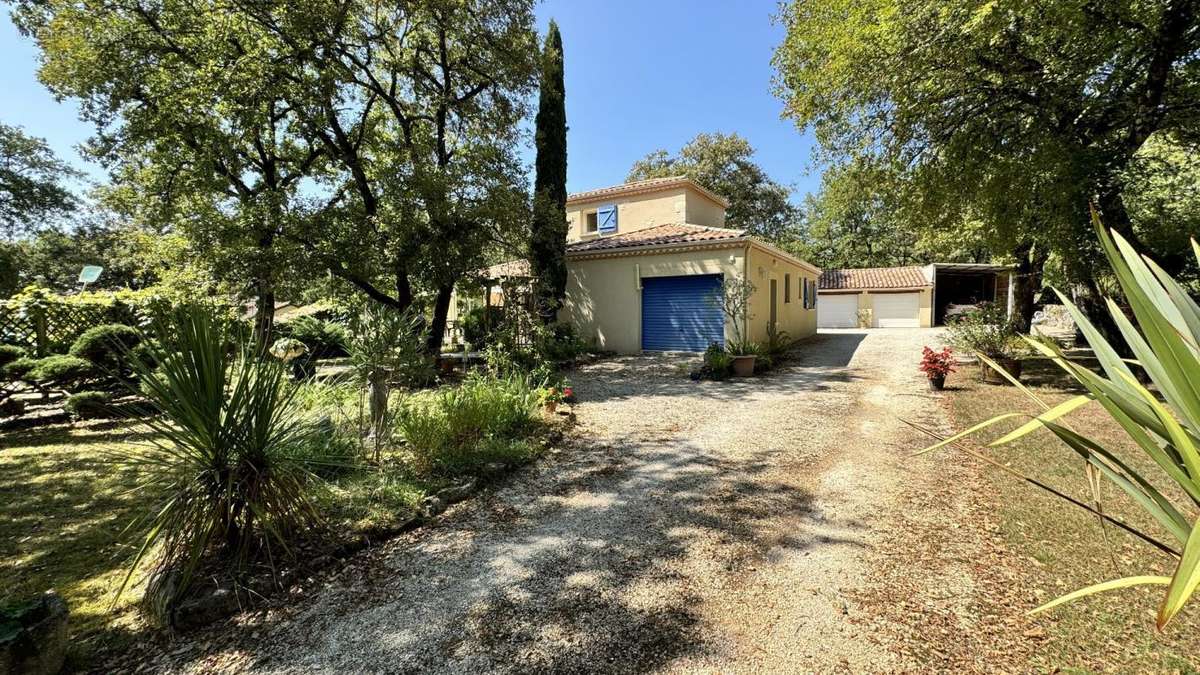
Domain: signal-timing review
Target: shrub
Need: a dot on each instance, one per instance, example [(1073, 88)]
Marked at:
[(88, 405), (19, 368), (10, 353), (224, 475), (986, 330), (324, 339), (478, 324), (560, 343), (61, 370), (717, 362), (459, 429), (108, 347), (386, 346)]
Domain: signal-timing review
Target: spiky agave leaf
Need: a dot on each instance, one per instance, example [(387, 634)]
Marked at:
[(219, 475)]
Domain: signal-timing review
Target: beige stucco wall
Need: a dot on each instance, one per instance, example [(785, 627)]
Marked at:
[(638, 212), (792, 317), (703, 211), (604, 300), (866, 305)]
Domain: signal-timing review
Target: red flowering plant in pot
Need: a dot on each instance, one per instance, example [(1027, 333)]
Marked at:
[(936, 366)]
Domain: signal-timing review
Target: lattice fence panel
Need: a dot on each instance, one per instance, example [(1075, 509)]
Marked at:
[(17, 327), (48, 327), (65, 323)]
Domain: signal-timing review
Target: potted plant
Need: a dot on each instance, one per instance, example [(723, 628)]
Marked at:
[(936, 366), (734, 300), (551, 396), (987, 331)]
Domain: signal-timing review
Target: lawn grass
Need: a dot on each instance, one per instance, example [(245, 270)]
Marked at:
[(64, 503), (1064, 548), (63, 506)]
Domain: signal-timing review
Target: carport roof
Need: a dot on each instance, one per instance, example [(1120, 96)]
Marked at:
[(872, 278)]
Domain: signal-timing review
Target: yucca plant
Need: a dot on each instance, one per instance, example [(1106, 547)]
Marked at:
[(1164, 423), (222, 477)]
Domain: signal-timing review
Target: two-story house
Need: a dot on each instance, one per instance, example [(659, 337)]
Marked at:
[(646, 260)]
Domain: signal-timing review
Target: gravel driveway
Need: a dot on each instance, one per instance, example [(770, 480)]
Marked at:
[(694, 527)]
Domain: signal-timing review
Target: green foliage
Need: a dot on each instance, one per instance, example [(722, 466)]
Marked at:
[(32, 182), (1004, 114), (548, 236), (478, 324), (10, 353), (778, 341), (18, 369), (224, 475), (985, 330), (459, 429), (718, 363), (323, 338), (108, 347), (724, 163), (546, 347), (386, 345), (1162, 332), (858, 219), (62, 370), (88, 405)]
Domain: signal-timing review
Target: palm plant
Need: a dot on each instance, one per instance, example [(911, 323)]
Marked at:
[(221, 476), (385, 345), (1163, 335)]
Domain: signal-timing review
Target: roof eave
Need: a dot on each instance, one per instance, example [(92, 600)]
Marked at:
[(618, 251)]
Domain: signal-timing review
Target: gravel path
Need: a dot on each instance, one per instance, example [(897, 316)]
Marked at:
[(695, 527)]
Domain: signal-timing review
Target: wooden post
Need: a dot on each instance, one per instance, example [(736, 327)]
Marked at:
[(41, 340)]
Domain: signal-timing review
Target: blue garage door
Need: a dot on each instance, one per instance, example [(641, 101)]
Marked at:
[(681, 313)]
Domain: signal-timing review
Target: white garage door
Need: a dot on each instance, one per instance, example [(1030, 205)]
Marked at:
[(837, 311), (897, 310)]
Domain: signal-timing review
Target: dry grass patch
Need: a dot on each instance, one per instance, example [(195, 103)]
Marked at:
[(1062, 548)]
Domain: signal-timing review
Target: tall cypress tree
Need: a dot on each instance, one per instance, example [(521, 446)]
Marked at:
[(548, 240)]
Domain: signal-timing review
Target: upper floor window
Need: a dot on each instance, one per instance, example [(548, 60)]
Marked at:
[(591, 223)]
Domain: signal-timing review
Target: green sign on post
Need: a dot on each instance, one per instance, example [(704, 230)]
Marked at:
[(89, 274)]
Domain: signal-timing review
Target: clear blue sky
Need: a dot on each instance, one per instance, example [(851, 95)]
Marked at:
[(640, 75)]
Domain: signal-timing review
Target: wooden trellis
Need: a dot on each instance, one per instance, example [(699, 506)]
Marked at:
[(47, 327)]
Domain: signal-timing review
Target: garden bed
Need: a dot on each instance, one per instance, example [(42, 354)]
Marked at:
[(66, 502)]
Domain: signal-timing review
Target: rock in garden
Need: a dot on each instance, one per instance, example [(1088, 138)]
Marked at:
[(33, 637)]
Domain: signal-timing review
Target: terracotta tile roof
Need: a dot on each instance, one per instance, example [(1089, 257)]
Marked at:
[(659, 235), (510, 268), (865, 278), (643, 186)]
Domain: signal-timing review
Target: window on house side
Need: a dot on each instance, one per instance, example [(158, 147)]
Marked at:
[(590, 224), (787, 288)]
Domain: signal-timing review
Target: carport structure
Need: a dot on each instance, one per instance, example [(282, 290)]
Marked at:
[(966, 284)]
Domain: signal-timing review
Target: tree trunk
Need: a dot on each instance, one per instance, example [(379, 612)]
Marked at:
[(437, 327), (379, 404), (1030, 261), (264, 314)]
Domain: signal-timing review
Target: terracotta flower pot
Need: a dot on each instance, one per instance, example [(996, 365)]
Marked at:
[(937, 382), (743, 366), (551, 407)]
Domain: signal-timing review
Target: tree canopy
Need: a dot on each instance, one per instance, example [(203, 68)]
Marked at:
[(1012, 114), (33, 183), (724, 163)]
